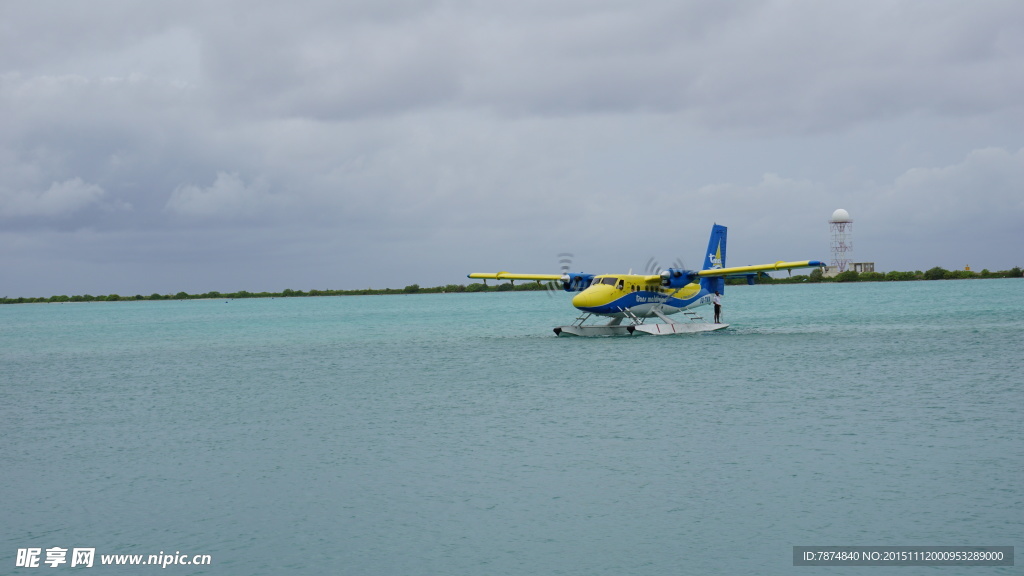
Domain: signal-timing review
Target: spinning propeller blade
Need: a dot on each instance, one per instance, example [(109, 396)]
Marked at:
[(653, 268), (564, 263)]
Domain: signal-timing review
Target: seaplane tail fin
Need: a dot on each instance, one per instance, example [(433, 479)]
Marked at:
[(715, 256), (714, 259)]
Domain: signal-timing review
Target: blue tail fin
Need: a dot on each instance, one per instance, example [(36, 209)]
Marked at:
[(715, 258)]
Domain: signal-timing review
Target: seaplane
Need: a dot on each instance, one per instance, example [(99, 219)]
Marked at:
[(637, 304)]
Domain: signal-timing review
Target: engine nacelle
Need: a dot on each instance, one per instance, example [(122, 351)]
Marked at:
[(577, 281), (677, 277)]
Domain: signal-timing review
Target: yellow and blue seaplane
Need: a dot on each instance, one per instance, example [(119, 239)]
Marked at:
[(630, 300)]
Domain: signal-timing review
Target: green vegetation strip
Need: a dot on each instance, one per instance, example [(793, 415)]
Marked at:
[(815, 276), (936, 273), (411, 289)]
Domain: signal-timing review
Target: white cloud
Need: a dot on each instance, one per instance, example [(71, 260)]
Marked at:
[(228, 198), (108, 104), (988, 186), (60, 199), (985, 189)]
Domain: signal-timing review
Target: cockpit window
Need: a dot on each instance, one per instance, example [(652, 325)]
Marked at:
[(609, 281)]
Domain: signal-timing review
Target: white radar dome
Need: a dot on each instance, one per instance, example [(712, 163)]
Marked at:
[(840, 216)]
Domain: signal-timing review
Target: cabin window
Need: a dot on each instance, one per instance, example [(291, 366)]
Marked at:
[(610, 281)]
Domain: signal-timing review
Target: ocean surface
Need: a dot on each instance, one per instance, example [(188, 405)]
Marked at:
[(454, 434)]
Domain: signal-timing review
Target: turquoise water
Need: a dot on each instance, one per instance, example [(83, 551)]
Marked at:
[(455, 434)]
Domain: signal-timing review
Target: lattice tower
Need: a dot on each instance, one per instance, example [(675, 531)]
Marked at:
[(841, 226)]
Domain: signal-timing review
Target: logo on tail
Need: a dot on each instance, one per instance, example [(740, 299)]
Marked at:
[(716, 258)]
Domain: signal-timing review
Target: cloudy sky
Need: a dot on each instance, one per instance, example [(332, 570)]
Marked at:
[(261, 145)]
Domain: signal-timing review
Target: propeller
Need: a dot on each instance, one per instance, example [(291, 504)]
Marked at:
[(652, 267), (564, 263)]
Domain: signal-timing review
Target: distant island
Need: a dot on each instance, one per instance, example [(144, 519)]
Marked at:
[(816, 276), (935, 273)]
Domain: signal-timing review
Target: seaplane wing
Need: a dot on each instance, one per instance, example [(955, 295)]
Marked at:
[(743, 270), (511, 276)]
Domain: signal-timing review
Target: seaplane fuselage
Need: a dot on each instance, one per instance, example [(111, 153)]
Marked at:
[(614, 295)]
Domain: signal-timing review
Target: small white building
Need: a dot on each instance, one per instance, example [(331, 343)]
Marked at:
[(859, 267)]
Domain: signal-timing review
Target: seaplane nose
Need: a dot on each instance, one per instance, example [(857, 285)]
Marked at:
[(589, 298)]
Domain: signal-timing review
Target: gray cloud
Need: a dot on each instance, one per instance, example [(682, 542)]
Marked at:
[(412, 141)]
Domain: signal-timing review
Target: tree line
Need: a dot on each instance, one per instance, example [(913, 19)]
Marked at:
[(936, 273), (287, 293), (816, 275)]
